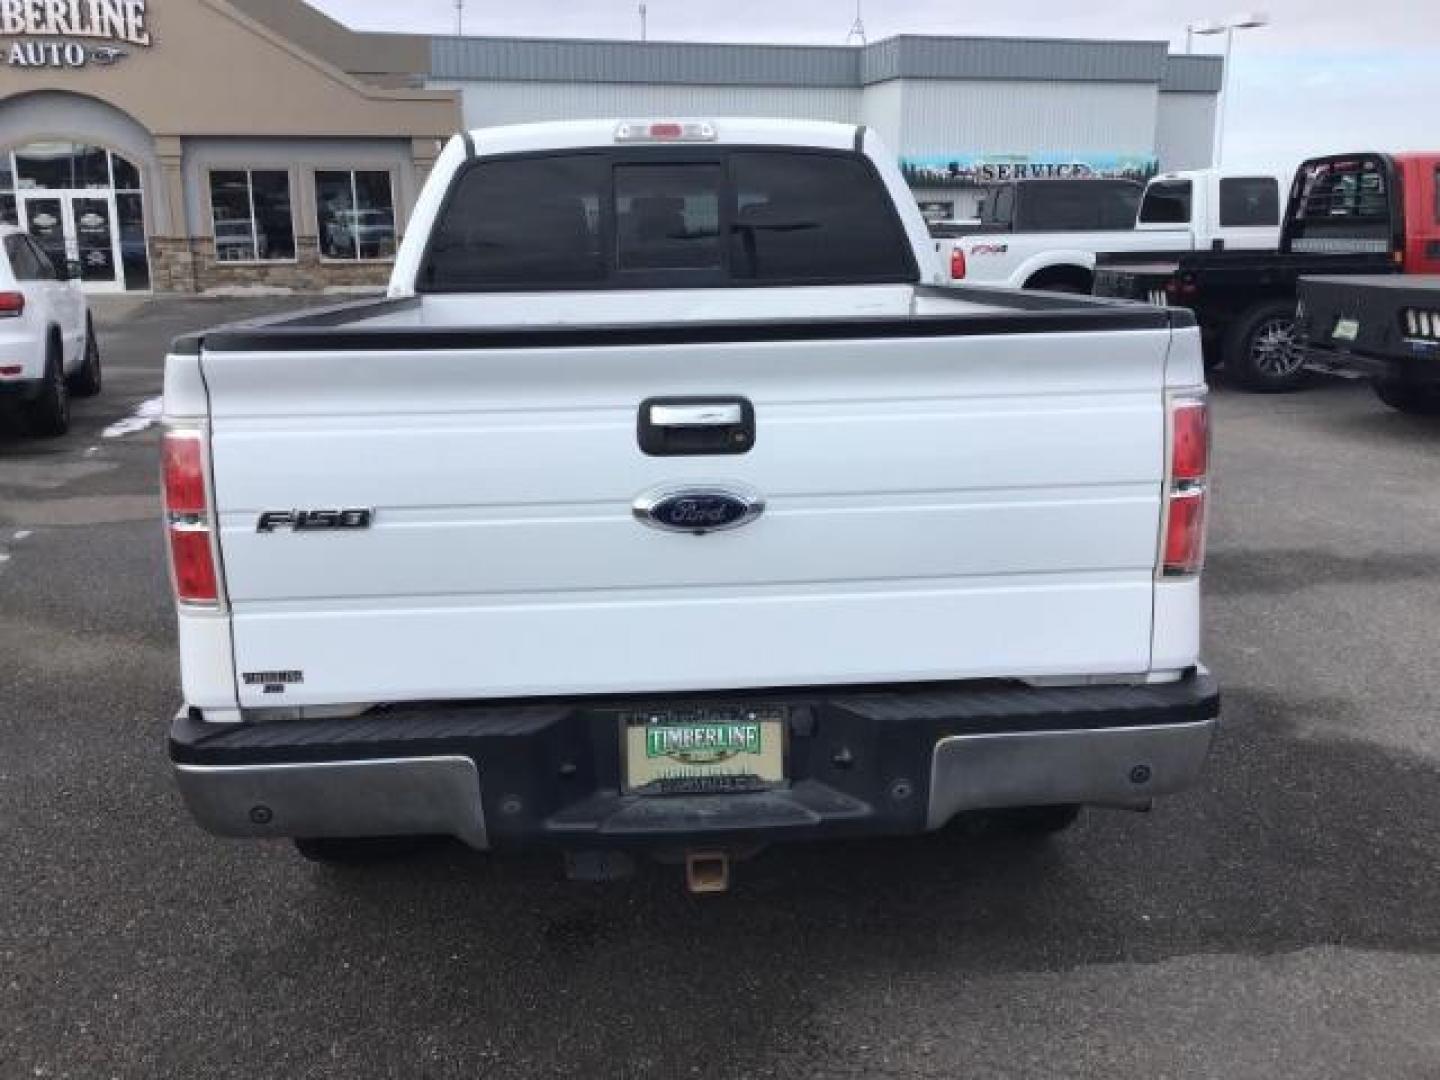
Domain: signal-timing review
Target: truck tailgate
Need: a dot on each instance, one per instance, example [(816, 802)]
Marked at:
[(938, 507)]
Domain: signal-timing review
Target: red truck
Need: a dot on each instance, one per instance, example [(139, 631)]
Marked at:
[(1348, 214)]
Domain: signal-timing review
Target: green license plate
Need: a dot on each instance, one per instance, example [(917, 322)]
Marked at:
[(704, 748), (1345, 330)]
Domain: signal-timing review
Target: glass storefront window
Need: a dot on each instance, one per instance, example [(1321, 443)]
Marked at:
[(127, 176), (134, 254), (92, 167), (66, 166), (45, 165), (356, 215), (83, 204), (252, 216)]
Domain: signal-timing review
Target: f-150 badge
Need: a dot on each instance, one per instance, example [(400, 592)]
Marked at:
[(699, 508), (314, 520)]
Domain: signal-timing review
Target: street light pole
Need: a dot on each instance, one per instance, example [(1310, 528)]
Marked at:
[(1224, 98), (1253, 21)]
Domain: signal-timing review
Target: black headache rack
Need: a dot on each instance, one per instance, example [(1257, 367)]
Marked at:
[(344, 327), (1373, 326)]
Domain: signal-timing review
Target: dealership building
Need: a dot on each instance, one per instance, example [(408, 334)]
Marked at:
[(197, 145)]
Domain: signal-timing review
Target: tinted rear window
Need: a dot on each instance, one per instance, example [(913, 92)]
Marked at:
[(1167, 202), (801, 217), (670, 219), (668, 216), (1249, 201), (519, 221), (1072, 205)]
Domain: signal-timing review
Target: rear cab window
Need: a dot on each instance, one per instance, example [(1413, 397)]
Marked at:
[(1249, 202), (1166, 202), (1079, 205), (666, 218)]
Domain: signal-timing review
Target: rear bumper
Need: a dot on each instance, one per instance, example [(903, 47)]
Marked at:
[(12, 386), (1418, 363), (868, 762)]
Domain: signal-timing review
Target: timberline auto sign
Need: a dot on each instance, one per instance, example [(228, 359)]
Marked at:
[(70, 33)]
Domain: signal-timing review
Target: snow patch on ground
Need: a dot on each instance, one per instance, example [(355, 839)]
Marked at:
[(146, 414)]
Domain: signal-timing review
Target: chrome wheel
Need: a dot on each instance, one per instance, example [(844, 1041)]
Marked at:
[(1274, 351)]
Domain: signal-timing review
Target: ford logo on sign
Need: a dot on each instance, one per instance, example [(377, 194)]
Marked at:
[(699, 508)]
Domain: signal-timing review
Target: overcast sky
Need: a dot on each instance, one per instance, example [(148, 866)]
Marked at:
[(1326, 75)]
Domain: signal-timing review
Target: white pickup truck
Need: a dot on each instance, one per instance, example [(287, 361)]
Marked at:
[(663, 505), (1180, 211)]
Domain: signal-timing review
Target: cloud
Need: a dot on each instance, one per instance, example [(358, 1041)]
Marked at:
[(1324, 75)]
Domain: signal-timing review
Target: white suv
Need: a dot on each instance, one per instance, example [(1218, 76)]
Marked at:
[(47, 341)]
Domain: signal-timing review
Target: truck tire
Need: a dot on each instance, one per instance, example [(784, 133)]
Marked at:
[(1417, 399), (357, 850), (1262, 352), (49, 414), (86, 382)]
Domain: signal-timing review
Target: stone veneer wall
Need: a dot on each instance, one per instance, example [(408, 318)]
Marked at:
[(188, 266)]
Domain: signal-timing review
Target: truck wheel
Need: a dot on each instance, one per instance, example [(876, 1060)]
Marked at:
[(355, 850), (1417, 399), (49, 414), (1037, 821), (1262, 351), (86, 381)]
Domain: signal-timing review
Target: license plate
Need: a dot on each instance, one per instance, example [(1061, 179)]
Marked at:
[(703, 749), (1345, 330)]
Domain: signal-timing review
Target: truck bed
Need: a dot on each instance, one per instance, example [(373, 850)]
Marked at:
[(1121, 275), (535, 321)]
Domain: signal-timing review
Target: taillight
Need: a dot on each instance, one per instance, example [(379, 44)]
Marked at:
[(188, 518), (957, 263), (12, 305), (1186, 487)]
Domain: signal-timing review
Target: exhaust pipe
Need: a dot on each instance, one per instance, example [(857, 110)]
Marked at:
[(707, 871)]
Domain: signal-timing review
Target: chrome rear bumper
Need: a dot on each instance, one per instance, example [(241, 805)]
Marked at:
[(1104, 766), (382, 797)]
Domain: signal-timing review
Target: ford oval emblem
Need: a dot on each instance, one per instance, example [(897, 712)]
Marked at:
[(699, 508)]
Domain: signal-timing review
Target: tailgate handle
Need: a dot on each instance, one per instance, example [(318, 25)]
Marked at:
[(695, 426), (721, 414)]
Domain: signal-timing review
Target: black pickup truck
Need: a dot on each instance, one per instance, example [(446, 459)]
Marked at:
[(1346, 215), (1387, 329)]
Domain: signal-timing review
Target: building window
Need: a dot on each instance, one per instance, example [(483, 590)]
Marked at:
[(356, 215), (251, 211), (9, 215)]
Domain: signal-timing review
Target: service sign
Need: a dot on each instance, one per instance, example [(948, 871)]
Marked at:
[(959, 170), (70, 33)]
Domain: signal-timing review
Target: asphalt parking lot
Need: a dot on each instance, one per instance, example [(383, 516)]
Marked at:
[(1281, 920)]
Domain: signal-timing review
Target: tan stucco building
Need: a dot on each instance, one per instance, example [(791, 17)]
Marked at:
[(185, 145)]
